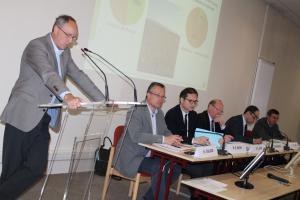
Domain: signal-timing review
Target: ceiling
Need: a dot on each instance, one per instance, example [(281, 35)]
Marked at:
[(289, 8)]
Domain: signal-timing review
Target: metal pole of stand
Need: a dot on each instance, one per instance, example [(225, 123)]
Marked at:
[(70, 168), (60, 134), (73, 167), (117, 153), (91, 178)]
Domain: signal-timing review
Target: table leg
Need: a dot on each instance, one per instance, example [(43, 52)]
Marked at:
[(162, 163), (169, 179)]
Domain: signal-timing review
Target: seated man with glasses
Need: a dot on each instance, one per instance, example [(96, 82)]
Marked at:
[(211, 119), (147, 125), (237, 126), (181, 119)]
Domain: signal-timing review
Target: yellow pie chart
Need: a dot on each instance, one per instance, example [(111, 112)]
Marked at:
[(196, 27), (127, 12)]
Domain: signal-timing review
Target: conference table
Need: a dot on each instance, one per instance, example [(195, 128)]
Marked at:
[(183, 159), (264, 187)]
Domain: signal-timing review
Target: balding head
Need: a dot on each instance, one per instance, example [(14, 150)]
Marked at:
[(215, 108)]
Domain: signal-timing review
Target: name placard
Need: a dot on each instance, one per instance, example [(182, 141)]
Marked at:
[(205, 151), (236, 147), (255, 148), (294, 145), (278, 146)]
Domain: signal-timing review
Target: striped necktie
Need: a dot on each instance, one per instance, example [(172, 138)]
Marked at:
[(212, 126)]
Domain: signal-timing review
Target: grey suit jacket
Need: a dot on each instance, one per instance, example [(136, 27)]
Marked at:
[(139, 131), (38, 81)]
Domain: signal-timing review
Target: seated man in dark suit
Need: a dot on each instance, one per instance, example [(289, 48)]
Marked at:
[(185, 126), (211, 119), (237, 126), (181, 119), (267, 127), (147, 125)]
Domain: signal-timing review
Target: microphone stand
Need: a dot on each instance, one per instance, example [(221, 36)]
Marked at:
[(222, 151), (286, 146), (105, 79), (107, 62), (271, 148)]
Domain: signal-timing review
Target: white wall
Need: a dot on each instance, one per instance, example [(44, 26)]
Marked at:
[(232, 71), (234, 62), (281, 45)]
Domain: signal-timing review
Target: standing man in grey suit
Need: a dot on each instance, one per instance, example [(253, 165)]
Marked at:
[(45, 63), (147, 126)]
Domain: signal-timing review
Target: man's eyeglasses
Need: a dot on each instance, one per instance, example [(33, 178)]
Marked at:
[(218, 109), (73, 37), (159, 96), (191, 101), (255, 117)]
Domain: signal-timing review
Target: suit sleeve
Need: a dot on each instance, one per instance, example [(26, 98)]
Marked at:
[(229, 129), (173, 124), (136, 128), (166, 131), (170, 123), (277, 133), (200, 122), (37, 56), (232, 128), (258, 130)]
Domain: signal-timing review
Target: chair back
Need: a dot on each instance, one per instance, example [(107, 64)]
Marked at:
[(134, 182), (117, 134)]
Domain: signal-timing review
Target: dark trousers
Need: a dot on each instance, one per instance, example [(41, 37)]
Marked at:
[(24, 159), (199, 170), (151, 165)]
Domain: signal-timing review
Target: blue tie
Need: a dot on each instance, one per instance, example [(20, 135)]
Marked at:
[(53, 112)]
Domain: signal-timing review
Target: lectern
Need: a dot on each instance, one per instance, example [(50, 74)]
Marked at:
[(107, 108)]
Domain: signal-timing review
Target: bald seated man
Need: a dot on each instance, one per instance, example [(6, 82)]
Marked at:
[(212, 118)]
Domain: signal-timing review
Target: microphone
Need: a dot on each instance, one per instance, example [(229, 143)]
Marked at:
[(277, 178), (286, 146), (105, 79), (110, 64)]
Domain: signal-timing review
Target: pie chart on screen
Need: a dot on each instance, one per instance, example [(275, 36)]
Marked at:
[(127, 12), (196, 27)]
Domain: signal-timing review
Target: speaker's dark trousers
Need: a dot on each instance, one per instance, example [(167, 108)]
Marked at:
[(24, 158)]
